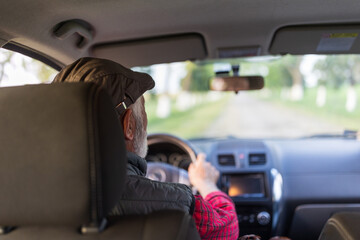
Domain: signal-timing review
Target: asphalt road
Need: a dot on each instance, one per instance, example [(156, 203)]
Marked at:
[(248, 117)]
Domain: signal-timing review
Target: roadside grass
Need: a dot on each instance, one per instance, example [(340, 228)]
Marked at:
[(186, 124), (334, 111)]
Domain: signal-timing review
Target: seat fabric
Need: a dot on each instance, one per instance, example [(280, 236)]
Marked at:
[(63, 167)]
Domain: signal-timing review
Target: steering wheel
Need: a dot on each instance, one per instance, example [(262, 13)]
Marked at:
[(169, 158)]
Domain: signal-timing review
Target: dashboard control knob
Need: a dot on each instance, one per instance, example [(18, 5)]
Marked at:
[(263, 218)]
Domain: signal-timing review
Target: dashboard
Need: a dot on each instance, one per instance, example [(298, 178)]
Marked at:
[(281, 187)]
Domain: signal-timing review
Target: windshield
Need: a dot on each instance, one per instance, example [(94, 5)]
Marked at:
[(303, 96)]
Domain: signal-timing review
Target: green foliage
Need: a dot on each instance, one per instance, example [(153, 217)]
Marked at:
[(284, 72), (335, 70), (198, 77), (278, 76)]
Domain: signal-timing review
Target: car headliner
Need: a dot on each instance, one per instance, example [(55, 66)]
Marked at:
[(229, 23)]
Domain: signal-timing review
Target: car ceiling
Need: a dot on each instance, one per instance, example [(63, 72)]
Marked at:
[(227, 23)]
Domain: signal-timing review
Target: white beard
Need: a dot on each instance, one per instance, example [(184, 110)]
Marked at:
[(140, 143), (140, 139)]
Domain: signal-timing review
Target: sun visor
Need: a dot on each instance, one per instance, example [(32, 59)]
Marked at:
[(145, 52), (317, 39)]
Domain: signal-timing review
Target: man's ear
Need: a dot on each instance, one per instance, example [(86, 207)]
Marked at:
[(129, 125)]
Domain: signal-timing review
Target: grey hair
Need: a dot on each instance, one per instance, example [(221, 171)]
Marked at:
[(136, 107), (140, 137)]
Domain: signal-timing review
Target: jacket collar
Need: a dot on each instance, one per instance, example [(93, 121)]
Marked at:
[(136, 165)]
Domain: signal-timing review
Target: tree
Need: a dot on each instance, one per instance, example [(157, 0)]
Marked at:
[(285, 74), (278, 76), (292, 65), (198, 77), (335, 70)]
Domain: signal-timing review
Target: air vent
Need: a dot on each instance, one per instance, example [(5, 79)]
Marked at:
[(257, 159), (226, 160)]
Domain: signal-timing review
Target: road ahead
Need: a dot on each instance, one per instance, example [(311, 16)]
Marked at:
[(248, 117)]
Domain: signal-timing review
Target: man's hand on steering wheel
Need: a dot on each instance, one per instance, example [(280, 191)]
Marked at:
[(203, 175)]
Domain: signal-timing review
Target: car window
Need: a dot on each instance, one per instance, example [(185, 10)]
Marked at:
[(304, 96), (17, 69)]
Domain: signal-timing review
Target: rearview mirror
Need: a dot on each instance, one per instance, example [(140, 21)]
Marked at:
[(237, 83)]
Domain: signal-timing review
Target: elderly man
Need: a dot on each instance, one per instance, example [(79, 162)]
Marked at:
[(213, 211)]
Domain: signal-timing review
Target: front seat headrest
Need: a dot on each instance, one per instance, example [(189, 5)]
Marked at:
[(62, 155)]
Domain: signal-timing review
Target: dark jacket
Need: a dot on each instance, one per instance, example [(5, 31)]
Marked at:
[(143, 196)]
